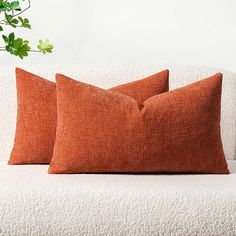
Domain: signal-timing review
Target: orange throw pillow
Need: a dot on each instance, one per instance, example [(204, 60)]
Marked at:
[(103, 131), (36, 119), (37, 113)]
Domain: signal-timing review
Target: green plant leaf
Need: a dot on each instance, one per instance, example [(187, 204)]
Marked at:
[(15, 5), (11, 38), (45, 46), (17, 43), (16, 46), (10, 20), (2, 7), (24, 22), (6, 5), (14, 21), (5, 38)]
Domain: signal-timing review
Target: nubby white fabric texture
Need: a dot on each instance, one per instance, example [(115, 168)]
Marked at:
[(106, 76), (35, 203)]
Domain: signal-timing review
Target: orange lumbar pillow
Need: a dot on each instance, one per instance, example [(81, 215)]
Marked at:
[(37, 113), (36, 119), (102, 131)]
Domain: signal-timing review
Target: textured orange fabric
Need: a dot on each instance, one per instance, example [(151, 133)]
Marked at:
[(36, 119), (37, 113), (143, 89), (103, 131)]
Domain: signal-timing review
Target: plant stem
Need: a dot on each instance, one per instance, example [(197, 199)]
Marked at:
[(2, 49), (33, 50)]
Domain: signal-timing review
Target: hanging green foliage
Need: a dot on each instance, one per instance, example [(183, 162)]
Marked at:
[(11, 16)]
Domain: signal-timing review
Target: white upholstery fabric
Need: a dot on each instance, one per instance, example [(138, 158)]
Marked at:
[(35, 203), (110, 75)]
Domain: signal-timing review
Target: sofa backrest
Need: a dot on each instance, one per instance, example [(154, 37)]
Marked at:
[(106, 76)]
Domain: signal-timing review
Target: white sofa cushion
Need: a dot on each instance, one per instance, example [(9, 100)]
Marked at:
[(35, 203)]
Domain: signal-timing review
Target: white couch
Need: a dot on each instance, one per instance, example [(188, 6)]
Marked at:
[(35, 203)]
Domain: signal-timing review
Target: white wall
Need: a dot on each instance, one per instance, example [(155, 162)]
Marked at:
[(198, 32)]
